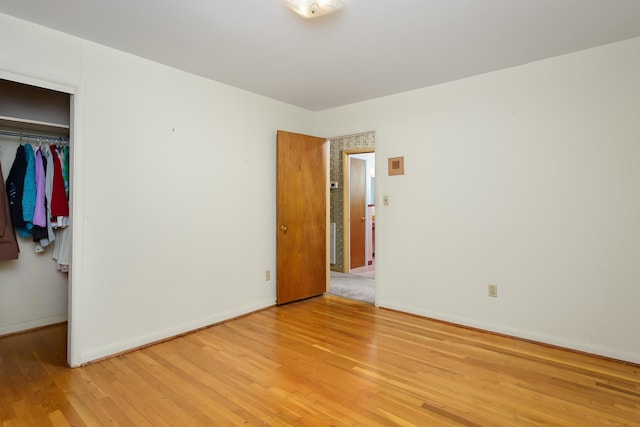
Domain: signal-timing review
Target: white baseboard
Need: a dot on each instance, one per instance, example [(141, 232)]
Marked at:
[(160, 335), (585, 347), (32, 324)]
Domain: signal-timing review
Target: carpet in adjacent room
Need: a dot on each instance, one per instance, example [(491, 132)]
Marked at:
[(353, 286)]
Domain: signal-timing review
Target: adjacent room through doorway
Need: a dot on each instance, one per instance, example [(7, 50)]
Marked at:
[(352, 217)]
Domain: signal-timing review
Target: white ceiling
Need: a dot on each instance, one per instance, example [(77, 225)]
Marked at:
[(369, 49)]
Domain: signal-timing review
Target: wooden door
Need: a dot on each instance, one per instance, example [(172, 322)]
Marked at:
[(302, 216), (357, 211)]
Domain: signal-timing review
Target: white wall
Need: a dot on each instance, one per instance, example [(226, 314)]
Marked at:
[(527, 178), (174, 201), (179, 200)]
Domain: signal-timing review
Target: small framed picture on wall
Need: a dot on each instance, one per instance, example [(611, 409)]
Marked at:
[(396, 166)]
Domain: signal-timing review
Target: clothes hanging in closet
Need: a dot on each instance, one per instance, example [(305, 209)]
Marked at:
[(28, 192), (15, 187), (59, 196), (8, 243), (38, 198), (39, 229), (48, 189), (62, 249), (60, 207)]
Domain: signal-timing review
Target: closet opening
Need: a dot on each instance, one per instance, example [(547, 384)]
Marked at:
[(35, 151)]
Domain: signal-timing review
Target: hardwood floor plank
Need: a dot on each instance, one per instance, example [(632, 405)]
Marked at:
[(325, 361), (57, 419), (27, 411)]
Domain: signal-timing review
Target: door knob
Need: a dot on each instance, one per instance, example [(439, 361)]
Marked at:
[(363, 219), (283, 227)]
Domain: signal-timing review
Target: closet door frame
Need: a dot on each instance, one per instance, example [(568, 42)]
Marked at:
[(26, 76)]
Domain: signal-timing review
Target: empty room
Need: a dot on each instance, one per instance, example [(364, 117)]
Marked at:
[(165, 233)]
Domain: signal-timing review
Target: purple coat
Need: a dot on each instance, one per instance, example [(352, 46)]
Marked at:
[(40, 211)]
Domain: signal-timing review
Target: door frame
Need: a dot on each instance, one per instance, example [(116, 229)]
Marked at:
[(346, 210), (71, 88)]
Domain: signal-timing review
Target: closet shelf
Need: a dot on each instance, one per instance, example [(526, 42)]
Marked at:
[(26, 125)]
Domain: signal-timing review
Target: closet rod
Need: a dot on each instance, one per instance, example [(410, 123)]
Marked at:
[(34, 136)]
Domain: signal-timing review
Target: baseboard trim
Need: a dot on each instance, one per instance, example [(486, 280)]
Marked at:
[(515, 337), (32, 325), (173, 336)]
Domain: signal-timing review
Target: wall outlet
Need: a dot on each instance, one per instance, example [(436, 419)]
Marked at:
[(493, 291), (267, 275)]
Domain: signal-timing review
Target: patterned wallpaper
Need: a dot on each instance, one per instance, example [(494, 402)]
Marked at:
[(336, 147)]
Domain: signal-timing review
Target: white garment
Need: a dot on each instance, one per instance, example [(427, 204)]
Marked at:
[(62, 249)]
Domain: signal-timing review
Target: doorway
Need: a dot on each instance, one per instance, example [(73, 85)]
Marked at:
[(359, 212), (347, 280)]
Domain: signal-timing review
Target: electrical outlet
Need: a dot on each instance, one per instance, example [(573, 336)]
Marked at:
[(267, 275), (493, 291)]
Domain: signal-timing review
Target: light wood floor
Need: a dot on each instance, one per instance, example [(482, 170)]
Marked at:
[(321, 362)]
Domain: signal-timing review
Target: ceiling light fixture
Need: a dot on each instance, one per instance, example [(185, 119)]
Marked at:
[(313, 8)]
